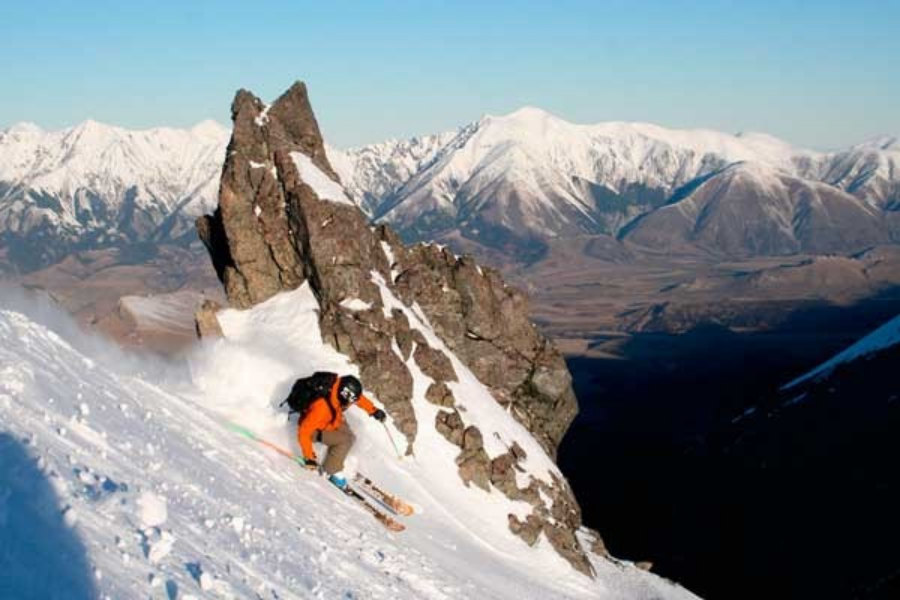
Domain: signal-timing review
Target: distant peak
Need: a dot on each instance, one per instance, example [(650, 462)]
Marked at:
[(208, 127), (530, 112), (771, 145), (24, 128), (90, 126), (884, 142), (527, 117), (88, 131), (749, 135)]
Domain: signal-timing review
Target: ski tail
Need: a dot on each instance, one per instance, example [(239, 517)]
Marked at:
[(381, 517), (399, 506)]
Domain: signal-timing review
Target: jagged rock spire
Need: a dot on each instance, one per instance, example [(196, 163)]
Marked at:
[(283, 219)]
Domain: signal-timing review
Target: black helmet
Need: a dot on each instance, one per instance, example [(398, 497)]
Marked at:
[(349, 390)]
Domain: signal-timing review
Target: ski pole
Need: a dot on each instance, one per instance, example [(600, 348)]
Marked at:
[(252, 436), (393, 443)]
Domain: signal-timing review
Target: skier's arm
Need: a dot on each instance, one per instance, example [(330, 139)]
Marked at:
[(313, 421), (366, 404)]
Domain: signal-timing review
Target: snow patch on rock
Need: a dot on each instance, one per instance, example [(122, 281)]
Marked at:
[(324, 187), (355, 304)]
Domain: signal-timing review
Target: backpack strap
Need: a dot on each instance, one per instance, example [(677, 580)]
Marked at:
[(332, 398), (291, 411)]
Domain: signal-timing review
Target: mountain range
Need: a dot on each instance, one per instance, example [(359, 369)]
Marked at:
[(94, 185), (511, 184), (516, 181)]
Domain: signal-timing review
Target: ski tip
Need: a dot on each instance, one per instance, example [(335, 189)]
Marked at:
[(405, 510)]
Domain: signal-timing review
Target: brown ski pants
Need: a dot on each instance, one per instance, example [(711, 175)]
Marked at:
[(339, 443)]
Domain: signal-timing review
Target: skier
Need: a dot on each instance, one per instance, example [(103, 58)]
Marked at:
[(324, 421)]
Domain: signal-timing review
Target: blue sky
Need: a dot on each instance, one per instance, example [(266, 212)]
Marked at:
[(821, 74)]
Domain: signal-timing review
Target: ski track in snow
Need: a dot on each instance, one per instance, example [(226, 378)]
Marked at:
[(168, 503)]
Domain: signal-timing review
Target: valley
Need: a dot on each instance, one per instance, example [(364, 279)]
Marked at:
[(659, 416), (668, 357)]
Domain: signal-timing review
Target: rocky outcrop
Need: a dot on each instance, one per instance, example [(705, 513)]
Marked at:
[(271, 232), (485, 322), (283, 220), (206, 322)]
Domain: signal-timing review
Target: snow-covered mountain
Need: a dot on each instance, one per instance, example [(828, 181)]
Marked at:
[(751, 209), (375, 172), (510, 182), (870, 171), (94, 184), (120, 478), (528, 176)]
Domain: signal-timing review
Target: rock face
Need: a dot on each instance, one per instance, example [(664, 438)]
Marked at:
[(486, 324), (283, 219), (206, 322)]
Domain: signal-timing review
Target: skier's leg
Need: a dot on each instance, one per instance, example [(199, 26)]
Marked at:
[(339, 443)]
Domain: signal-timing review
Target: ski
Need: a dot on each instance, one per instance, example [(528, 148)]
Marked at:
[(381, 517), (399, 506)]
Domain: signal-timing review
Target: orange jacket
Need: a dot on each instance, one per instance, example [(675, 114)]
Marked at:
[(319, 418)]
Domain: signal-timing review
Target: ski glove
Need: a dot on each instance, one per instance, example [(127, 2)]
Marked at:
[(379, 415), (311, 464)]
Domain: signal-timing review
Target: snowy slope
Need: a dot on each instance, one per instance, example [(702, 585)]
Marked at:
[(537, 148), (125, 465), (375, 172), (546, 152), (171, 164), (884, 337), (750, 209), (870, 170)]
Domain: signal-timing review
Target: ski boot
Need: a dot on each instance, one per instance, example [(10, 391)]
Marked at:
[(338, 480)]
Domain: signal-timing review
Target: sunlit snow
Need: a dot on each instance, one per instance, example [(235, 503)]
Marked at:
[(324, 187), (147, 492)]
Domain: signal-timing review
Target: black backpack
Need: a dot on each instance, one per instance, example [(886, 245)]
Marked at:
[(307, 390)]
